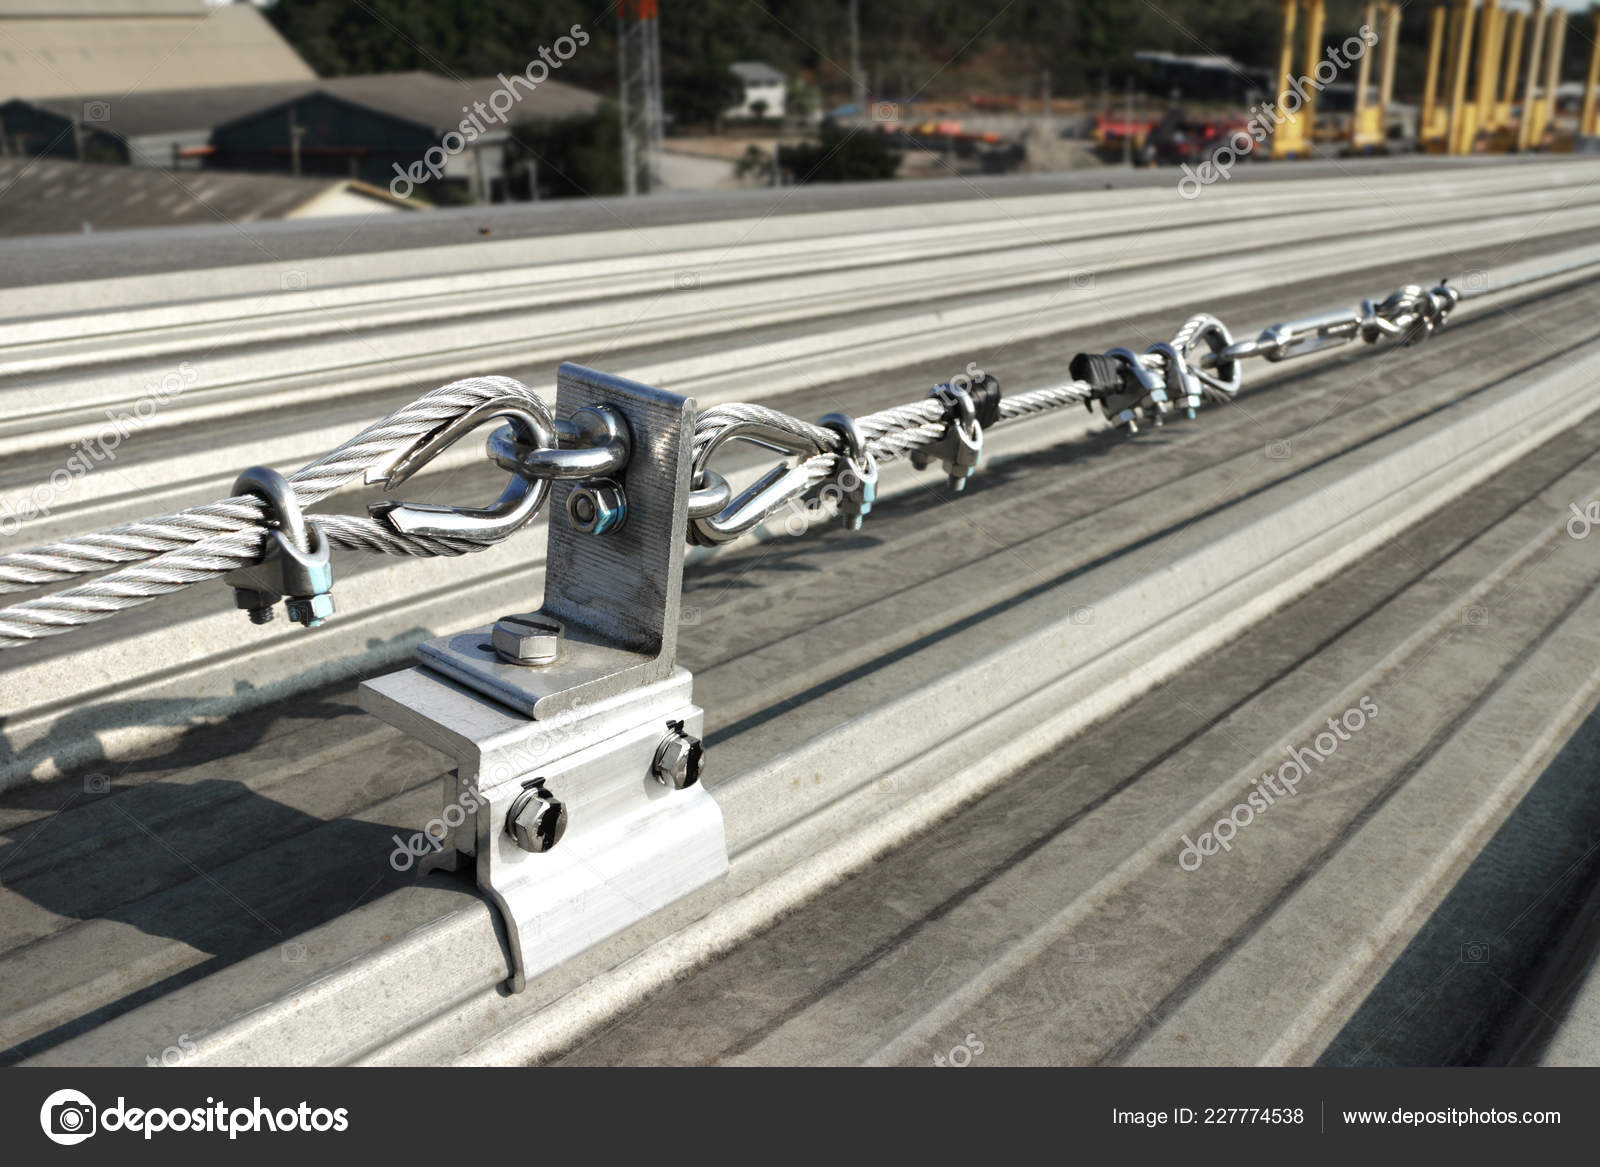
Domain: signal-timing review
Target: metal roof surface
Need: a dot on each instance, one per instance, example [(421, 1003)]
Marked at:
[(141, 46), (43, 196)]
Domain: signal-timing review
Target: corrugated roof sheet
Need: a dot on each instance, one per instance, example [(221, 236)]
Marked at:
[(60, 51), (47, 197), (423, 98)]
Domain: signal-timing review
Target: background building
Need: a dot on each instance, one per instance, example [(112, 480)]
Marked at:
[(363, 127), (766, 91), (52, 197), (57, 48)]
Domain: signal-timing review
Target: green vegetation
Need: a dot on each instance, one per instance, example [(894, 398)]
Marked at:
[(932, 48), (570, 158), (842, 156)]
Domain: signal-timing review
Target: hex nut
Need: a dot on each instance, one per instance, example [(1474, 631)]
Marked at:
[(534, 639), (536, 820), (597, 507), (678, 758), (311, 610)]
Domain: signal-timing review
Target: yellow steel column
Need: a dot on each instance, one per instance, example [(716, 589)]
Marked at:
[(1458, 81), (1360, 132), (1430, 86), (1286, 57), (1285, 137), (1391, 46), (1530, 82), (1586, 119), (1513, 58), (1488, 55), (1552, 74), (1313, 56)]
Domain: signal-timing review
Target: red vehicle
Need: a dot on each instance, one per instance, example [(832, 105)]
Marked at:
[(1177, 138)]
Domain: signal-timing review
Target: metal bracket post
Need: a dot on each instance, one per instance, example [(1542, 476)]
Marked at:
[(593, 756)]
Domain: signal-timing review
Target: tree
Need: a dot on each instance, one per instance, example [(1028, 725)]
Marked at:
[(842, 156), (699, 95), (567, 158)]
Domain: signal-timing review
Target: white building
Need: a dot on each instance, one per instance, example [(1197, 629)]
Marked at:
[(765, 91)]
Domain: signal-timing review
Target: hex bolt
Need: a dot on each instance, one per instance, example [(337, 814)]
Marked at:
[(597, 507), (678, 758), (536, 819), (533, 639), (257, 605)]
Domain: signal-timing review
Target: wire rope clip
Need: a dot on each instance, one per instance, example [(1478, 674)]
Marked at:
[(857, 479), (1126, 389), (295, 564), (960, 447)]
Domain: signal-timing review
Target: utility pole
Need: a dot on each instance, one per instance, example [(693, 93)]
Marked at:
[(639, 93), (858, 79), (1127, 124), (296, 132)]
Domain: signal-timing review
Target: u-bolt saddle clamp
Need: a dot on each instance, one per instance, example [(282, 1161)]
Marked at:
[(960, 447), (295, 563)]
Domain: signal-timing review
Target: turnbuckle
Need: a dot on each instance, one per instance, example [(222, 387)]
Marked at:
[(1410, 314), (295, 562), (1413, 313)]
